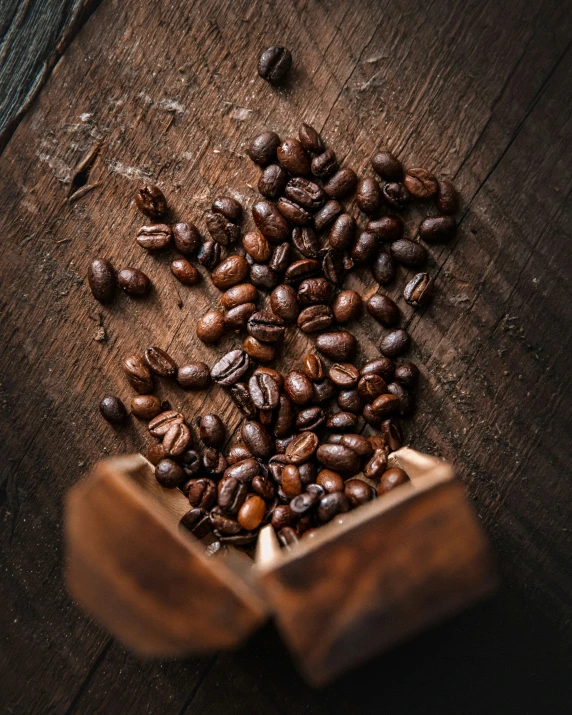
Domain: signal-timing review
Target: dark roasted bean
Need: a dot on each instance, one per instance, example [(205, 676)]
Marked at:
[(198, 522), (190, 461), (438, 229), (282, 516), (194, 376), (360, 445), (298, 387), (211, 430), (371, 386), (342, 421), (133, 281), (244, 470), (420, 183), (231, 494), (384, 405), (186, 237), (366, 248), (341, 184), (408, 253), (338, 345), (224, 524), (325, 164), (237, 318), (251, 513), (447, 198), (264, 390), (406, 398), (381, 366), (284, 302), (209, 254), (256, 246), (307, 473), (239, 294), (310, 139), (263, 277), (274, 64), (280, 259), (394, 343), (342, 232), (338, 457), (376, 465), (335, 266), (344, 375), (138, 374), (293, 157), (241, 396), (323, 391), (358, 492), (302, 447), (169, 474), (315, 318), (313, 367), (285, 417), (238, 451), (302, 270), (145, 407), (272, 181), (396, 195), (293, 212), (384, 268), (185, 272), (176, 440), (347, 306), (314, 291), (351, 401), (230, 272), (259, 351), (419, 291), (303, 503), (262, 149), (154, 238), (310, 418), (113, 410), (331, 505), (263, 487), (392, 434), (223, 231), (227, 206), (150, 201), (162, 423), (305, 193), (383, 309), (101, 278), (211, 327), (270, 222), (306, 241), (202, 493), (387, 228), (325, 215), (407, 374), (390, 479), (160, 362), (230, 368), (330, 481), (257, 439), (266, 327), (368, 196), (214, 461), (387, 166)]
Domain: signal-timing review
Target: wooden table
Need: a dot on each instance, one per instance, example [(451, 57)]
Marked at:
[(478, 91)]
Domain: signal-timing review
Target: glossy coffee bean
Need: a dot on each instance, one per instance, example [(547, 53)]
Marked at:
[(335, 265), (314, 291), (323, 391), (266, 327), (325, 164), (190, 461), (155, 453), (293, 212), (280, 259), (284, 303), (185, 272), (315, 318), (256, 246), (291, 482), (154, 238), (390, 479), (384, 268), (237, 318), (392, 434), (282, 517), (408, 253), (186, 237), (344, 375), (395, 343), (396, 196), (419, 291), (224, 524), (160, 362), (366, 248), (447, 198), (383, 309), (342, 232), (237, 453), (262, 149), (274, 64), (113, 410), (330, 481), (360, 445), (223, 231), (381, 366), (257, 439), (133, 281), (407, 374), (347, 306), (376, 465), (384, 405), (341, 184), (298, 387), (339, 458), (310, 418), (209, 254), (169, 474), (263, 487), (145, 407), (228, 207), (310, 139), (251, 513), (305, 193), (342, 421), (198, 522), (102, 280), (230, 272), (302, 270), (239, 294), (211, 327), (244, 471), (231, 495), (214, 462), (230, 368), (386, 228), (212, 430), (302, 448), (162, 423), (272, 181), (386, 165), (306, 502), (138, 374), (151, 201), (176, 440), (405, 397), (325, 215), (285, 417), (264, 390), (420, 183), (438, 229), (338, 345), (313, 367), (358, 492), (368, 196), (270, 222), (293, 157), (201, 493), (242, 399), (194, 376), (305, 240), (259, 351), (350, 401), (263, 277), (371, 386), (331, 505)]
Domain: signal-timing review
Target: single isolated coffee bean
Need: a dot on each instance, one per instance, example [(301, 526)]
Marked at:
[(186, 237), (239, 294), (325, 215), (102, 280), (293, 157), (160, 362), (342, 232), (169, 474), (386, 165), (230, 272), (237, 318), (229, 208), (138, 374), (302, 270), (194, 376), (315, 318), (344, 374), (338, 345), (294, 213), (262, 149), (390, 479), (383, 309), (342, 421), (386, 228), (134, 282), (257, 439), (358, 492), (176, 439), (160, 425), (395, 343), (438, 229), (284, 303), (384, 268), (113, 410), (313, 367), (310, 139), (185, 272), (341, 184), (325, 164), (209, 254), (211, 327), (259, 351), (408, 253), (151, 202), (145, 407), (230, 368), (302, 448), (223, 231), (298, 387), (396, 195), (263, 277), (154, 238), (270, 222), (419, 291), (368, 196), (366, 248), (266, 327), (347, 306), (272, 181), (447, 198), (212, 431), (274, 64), (420, 183), (256, 246), (305, 193), (407, 374)]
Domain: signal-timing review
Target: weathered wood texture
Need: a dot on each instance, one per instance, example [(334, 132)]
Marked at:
[(33, 36), (479, 91)]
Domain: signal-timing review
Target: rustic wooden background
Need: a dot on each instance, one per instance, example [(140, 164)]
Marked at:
[(478, 91)]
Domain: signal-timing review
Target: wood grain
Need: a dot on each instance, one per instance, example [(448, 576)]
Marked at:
[(476, 91)]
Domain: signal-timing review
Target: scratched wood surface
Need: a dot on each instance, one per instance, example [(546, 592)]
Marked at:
[(473, 90)]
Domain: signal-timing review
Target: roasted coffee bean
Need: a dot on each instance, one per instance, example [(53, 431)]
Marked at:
[(387, 228), (202, 493), (376, 465), (190, 461), (186, 237), (154, 238), (298, 387), (228, 207), (214, 462), (315, 318), (390, 479), (256, 246), (113, 410), (138, 374), (280, 259), (342, 421), (293, 157), (344, 375), (341, 184), (420, 183), (259, 351), (284, 303), (276, 464), (241, 396), (169, 474), (244, 470), (239, 294), (294, 213), (366, 248), (302, 270), (237, 318), (257, 439), (396, 195), (230, 368), (307, 472), (151, 202), (304, 193), (342, 232), (313, 367), (162, 423), (155, 453), (310, 139), (251, 513), (211, 327), (238, 451), (384, 405), (447, 198), (270, 222), (232, 271), (371, 386), (338, 345), (406, 398), (381, 366), (223, 524), (392, 434), (262, 149), (223, 231), (351, 401), (274, 64), (264, 390), (274, 374), (160, 362), (285, 417), (384, 268), (358, 492), (407, 374), (310, 418), (368, 196), (185, 272), (331, 505), (330, 481), (358, 443), (194, 376), (145, 407), (306, 241), (325, 215), (176, 440), (266, 327), (263, 277), (282, 516), (231, 494), (212, 430), (314, 291), (325, 164), (335, 265), (263, 487), (198, 522), (383, 309), (266, 418), (419, 291), (408, 253), (291, 483), (395, 343), (347, 306), (302, 447), (101, 278), (133, 281), (438, 229), (303, 503), (272, 181), (209, 254), (387, 166), (323, 391), (339, 458)]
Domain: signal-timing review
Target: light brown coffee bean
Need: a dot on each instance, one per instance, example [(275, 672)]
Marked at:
[(145, 407)]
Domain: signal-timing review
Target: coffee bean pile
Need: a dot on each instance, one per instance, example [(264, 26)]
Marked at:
[(299, 464)]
